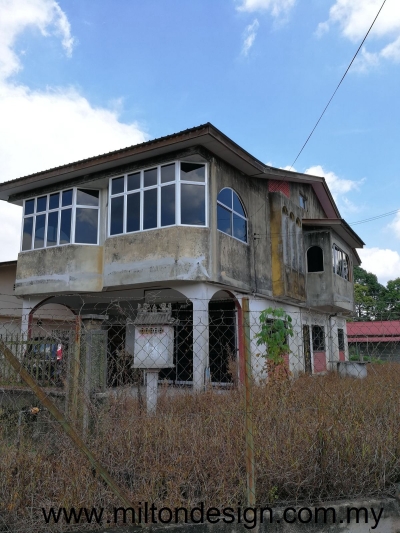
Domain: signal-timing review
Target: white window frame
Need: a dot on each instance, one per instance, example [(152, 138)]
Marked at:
[(236, 213), (59, 209), (177, 182), (335, 266)]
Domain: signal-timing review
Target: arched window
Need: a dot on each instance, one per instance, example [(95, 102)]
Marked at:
[(315, 259), (231, 217)]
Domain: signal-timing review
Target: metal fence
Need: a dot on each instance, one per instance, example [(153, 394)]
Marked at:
[(154, 404)]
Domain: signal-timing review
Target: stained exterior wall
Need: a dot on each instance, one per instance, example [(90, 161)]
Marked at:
[(60, 269), (326, 290)]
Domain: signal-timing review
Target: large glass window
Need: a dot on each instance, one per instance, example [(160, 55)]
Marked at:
[(340, 263), (70, 216), (164, 195), (231, 217)]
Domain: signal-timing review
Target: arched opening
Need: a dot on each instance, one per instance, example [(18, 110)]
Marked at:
[(231, 215), (224, 344), (315, 259)]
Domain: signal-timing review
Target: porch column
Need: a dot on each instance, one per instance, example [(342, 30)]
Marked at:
[(200, 343), (28, 304)]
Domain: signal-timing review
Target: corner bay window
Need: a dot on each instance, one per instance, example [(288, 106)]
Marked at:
[(65, 217), (165, 195)]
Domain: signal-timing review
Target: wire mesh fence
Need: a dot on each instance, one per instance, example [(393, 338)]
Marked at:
[(192, 403)]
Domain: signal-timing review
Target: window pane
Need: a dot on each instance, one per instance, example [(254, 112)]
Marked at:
[(150, 177), (239, 228), (318, 338), (237, 205), (87, 197), (86, 226), (66, 198), (52, 228), (134, 181), (168, 205), (117, 185), (65, 226), (54, 202), (193, 172), (27, 234), (193, 206), (39, 231), (117, 215), (133, 212), (41, 204), (225, 197), (29, 207), (224, 219), (168, 173), (150, 209)]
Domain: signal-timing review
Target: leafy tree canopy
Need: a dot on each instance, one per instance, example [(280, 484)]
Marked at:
[(374, 301)]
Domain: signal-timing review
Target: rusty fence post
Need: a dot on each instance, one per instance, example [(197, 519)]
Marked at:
[(248, 379)]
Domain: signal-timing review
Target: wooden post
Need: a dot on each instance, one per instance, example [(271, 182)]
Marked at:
[(251, 489), (73, 376)]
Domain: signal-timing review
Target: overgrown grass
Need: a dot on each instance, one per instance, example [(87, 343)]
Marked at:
[(315, 438)]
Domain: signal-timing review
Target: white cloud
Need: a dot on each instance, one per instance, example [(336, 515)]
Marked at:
[(336, 185), (384, 263), (394, 226), (250, 34), (43, 129), (275, 7), (354, 17)]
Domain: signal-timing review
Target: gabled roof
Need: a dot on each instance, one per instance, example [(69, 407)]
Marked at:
[(205, 135)]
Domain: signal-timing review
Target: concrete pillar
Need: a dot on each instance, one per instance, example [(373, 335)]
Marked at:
[(200, 343), (28, 304)]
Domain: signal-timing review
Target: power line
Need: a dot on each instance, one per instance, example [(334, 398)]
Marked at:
[(374, 218), (339, 84)]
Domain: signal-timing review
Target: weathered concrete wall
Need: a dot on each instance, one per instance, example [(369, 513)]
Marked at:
[(313, 207), (174, 253), (242, 265), (327, 290), (60, 269), (287, 248)]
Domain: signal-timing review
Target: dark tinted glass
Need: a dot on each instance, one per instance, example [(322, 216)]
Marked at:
[(168, 205), (193, 172), (65, 226), (27, 234), (224, 220), (150, 177), (86, 226), (66, 198), (225, 197), (52, 227), (193, 207), (150, 209), (237, 205), (239, 228), (87, 197), (117, 215), (133, 212), (168, 173), (318, 338), (341, 339), (29, 207), (134, 181), (117, 185), (54, 201), (39, 231), (41, 204)]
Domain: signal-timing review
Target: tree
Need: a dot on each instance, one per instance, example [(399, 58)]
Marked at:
[(369, 296)]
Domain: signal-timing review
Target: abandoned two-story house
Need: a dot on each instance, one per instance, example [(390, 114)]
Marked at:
[(192, 220)]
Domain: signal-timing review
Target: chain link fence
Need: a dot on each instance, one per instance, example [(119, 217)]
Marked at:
[(165, 404)]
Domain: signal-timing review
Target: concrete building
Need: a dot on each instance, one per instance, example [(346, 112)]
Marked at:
[(194, 220)]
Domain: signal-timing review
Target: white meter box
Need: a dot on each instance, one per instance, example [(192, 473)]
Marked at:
[(154, 347)]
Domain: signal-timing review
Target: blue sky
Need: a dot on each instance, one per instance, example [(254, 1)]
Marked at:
[(83, 77)]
